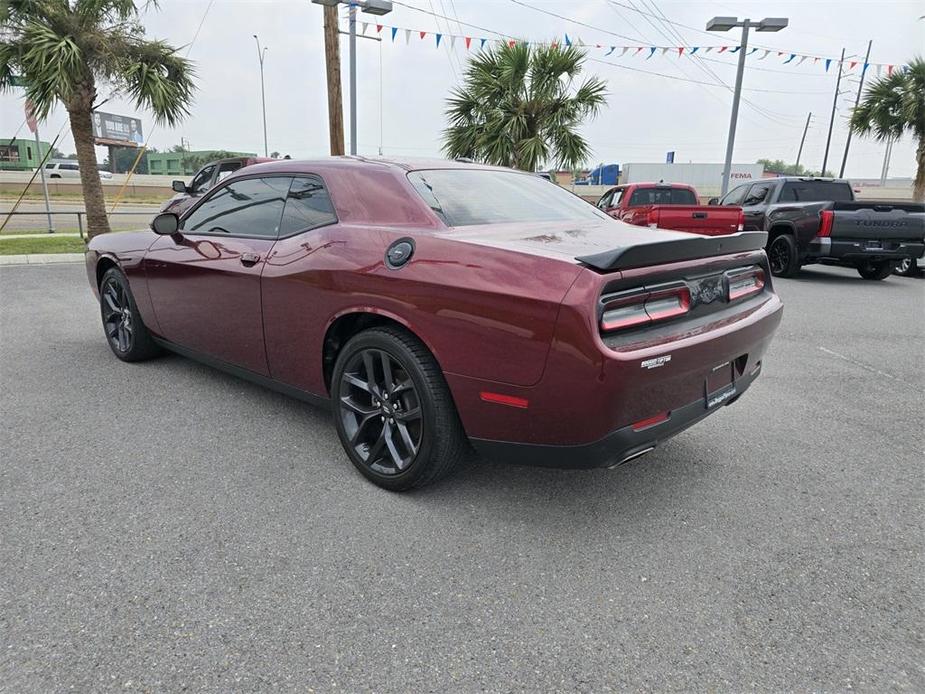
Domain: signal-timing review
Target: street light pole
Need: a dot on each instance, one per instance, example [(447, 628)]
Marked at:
[(725, 24), (803, 140), (857, 101), (828, 139), (261, 53)]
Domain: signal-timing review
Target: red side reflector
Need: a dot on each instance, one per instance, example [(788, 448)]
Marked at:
[(826, 218), (651, 421), (741, 225), (501, 399)]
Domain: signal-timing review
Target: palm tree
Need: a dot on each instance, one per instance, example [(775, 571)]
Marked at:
[(62, 50), (894, 105), (518, 107)]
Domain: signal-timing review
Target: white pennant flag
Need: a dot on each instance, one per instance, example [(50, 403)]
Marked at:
[(365, 26), (664, 51), (802, 58), (766, 54), (879, 67), (407, 36), (625, 49), (452, 42), (708, 49)]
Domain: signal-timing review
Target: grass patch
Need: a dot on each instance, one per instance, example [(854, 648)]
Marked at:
[(44, 244)]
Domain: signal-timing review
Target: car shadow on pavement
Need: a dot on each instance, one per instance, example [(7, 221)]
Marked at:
[(819, 275)]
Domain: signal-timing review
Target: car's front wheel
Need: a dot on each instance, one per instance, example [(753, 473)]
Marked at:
[(393, 410), (879, 270), (126, 334)]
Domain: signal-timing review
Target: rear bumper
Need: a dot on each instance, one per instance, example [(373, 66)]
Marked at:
[(618, 446), (857, 250)]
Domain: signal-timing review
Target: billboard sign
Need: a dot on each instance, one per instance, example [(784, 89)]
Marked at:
[(669, 157), (122, 131)]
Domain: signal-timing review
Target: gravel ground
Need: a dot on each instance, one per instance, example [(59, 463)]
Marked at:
[(168, 527)]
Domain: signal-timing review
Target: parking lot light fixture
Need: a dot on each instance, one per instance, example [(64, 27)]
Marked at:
[(726, 24)]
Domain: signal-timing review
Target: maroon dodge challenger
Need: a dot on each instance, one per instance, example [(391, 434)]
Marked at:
[(439, 304)]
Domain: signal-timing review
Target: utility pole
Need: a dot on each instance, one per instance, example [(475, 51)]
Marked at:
[(856, 102), (802, 140), (352, 13), (828, 140), (261, 54), (38, 153), (725, 24), (886, 161), (335, 96)]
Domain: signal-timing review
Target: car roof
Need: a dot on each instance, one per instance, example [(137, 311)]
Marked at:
[(357, 162)]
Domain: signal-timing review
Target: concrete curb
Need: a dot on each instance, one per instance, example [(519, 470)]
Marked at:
[(41, 259)]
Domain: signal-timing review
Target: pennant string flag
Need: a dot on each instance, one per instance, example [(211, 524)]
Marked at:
[(735, 50), (483, 43), (695, 49), (652, 50), (612, 49), (379, 28), (623, 52), (828, 61), (468, 42), (752, 51), (407, 36), (394, 31), (792, 56), (438, 36)]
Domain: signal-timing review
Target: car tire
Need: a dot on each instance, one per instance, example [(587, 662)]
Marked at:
[(876, 271), (783, 256), (393, 410), (907, 267), (126, 334)]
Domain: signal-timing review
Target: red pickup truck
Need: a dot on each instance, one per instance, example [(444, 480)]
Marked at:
[(669, 206)]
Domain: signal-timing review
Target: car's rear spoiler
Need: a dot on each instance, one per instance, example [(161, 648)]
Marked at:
[(673, 250)]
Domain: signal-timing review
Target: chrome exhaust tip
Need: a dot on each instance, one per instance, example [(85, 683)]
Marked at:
[(632, 456)]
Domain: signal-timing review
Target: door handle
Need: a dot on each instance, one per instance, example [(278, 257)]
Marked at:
[(699, 215), (249, 259)]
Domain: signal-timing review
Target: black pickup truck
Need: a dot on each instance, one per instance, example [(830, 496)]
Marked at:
[(817, 220)]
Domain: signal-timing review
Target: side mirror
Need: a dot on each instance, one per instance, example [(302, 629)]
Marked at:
[(166, 224), (713, 201), (178, 186)]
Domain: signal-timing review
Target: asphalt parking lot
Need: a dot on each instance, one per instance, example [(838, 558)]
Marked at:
[(166, 526)]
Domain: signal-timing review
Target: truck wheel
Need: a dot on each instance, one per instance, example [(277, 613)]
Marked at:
[(783, 256), (876, 270), (393, 410), (907, 267)]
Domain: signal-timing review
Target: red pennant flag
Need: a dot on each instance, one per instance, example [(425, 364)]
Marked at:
[(852, 64), (597, 45), (680, 50), (468, 42), (638, 50), (554, 44), (816, 60), (379, 28), (512, 43), (423, 34), (723, 48), (780, 52), (889, 70)]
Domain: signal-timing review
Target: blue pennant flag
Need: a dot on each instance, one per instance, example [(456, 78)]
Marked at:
[(736, 49), (394, 31), (612, 49), (482, 45), (439, 36), (652, 50), (828, 61), (695, 49), (752, 51), (792, 56), (568, 41)]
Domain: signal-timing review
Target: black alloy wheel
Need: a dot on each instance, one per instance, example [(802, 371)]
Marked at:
[(126, 334), (782, 256), (876, 270), (380, 411), (393, 410), (117, 315), (907, 267)]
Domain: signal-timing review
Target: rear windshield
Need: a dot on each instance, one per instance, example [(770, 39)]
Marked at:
[(662, 196), (463, 197), (816, 191)]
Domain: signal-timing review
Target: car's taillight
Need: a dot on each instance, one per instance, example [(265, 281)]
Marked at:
[(826, 218), (741, 284), (641, 307), (652, 219)]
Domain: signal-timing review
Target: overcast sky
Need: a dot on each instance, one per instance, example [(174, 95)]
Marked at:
[(646, 114)]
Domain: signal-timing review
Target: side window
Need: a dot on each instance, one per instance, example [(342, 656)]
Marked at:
[(202, 181), (734, 196), (227, 168), (617, 195), (307, 206), (70, 167), (604, 202), (249, 207), (757, 195), (50, 166)]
